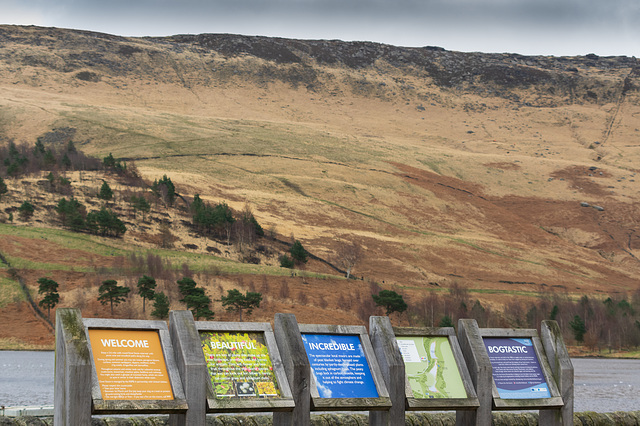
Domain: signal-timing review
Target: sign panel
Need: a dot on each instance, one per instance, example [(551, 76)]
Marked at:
[(339, 366), (239, 365), (431, 367), (516, 368), (130, 364)]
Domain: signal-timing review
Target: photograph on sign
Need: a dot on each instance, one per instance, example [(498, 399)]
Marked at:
[(339, 366), (239, 365), (516, 368), (130, 364), (431, 367)]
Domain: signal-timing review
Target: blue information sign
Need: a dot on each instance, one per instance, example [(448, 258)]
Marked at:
[(339, 366), (516, 368)]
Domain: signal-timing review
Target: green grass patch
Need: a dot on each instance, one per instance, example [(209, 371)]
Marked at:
[(143, 133), (95, 245), (67, 239), (10, 292), (203, 263)]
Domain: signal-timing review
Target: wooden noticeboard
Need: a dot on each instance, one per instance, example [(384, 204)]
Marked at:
[(245, 371), (133, 367), (522, 376), (344, 372), (436, 375)]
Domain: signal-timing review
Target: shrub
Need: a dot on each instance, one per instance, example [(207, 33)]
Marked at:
[(286, 262), (26, 210)]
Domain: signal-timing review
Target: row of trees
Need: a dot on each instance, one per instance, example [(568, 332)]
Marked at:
[(109, 293), (198, 302), (194, 297), (610, 323), (219, 221), (105, 222), (18, 160)]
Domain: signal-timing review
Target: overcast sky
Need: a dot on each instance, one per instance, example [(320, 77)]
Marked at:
[(529, 27)]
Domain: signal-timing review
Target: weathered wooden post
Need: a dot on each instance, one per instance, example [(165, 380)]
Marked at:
[(296, 366), (72, 391), (191, 366), (392, 367), (480, 370), (562, 369)]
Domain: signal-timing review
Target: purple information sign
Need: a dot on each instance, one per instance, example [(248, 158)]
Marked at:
[(516, 368)]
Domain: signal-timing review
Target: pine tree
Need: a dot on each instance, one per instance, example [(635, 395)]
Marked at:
[(195, 298), (3, 187), (446, 321), (579, 328), (109, 162), (49, 288), (110, 292), (186, 285), (66, 161), (235, 301), (26, 210), (165, 189), (298, 253), (146, 289), (390, 300), (160, 306), (286, 261), (105, 222), (105, 192)]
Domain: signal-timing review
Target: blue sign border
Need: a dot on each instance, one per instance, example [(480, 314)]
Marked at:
[(339, 366)]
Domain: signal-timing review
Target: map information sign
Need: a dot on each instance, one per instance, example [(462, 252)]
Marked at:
[(516, 368), (239, 365), (130, 364), (339, 366), (431, 367)]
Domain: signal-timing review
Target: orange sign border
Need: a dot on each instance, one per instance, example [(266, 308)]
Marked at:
[(137, 346)]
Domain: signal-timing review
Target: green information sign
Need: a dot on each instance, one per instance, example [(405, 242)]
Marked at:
[(239, 365), (430, 367)]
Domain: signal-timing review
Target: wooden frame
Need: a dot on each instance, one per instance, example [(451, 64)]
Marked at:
[(555, 401), (101, 406), (382, 402), (283, 403), (412, 403)]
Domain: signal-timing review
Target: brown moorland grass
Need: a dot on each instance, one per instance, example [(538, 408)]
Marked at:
[(438, 184)]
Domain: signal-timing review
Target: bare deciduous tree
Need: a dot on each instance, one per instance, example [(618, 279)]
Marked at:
[(348, 255)]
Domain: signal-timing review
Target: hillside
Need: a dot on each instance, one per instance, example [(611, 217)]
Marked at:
[(449, 169)]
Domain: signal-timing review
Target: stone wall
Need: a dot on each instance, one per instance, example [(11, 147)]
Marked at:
[(412, 419)]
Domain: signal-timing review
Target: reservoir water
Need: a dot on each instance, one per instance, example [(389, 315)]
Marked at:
[(601, 385)]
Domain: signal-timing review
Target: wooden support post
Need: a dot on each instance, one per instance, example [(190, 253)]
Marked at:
[(481, 374), (72, 391), (296, 365), (191, 366), (562, 369), (391, 364)]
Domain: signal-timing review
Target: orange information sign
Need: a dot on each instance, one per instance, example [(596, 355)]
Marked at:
[(130, 364)]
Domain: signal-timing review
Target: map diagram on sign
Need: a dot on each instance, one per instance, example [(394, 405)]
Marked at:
[(430, 367)]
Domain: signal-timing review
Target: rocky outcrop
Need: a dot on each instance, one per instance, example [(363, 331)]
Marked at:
[(549, 80)]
